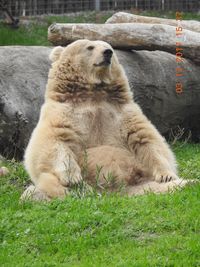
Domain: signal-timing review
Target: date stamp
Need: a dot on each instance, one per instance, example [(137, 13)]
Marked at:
[(179, 53)]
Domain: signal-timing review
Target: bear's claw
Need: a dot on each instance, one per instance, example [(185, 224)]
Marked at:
[(165, 178)]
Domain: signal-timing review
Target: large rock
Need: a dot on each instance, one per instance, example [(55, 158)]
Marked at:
[(153, 79), (23, 76)]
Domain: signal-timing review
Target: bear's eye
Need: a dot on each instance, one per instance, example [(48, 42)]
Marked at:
[(91, 47)]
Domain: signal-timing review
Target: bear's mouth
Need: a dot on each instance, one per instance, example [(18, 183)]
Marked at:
[(106, 62)]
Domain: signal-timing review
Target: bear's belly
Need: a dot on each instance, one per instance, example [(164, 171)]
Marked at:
[(98, 125)]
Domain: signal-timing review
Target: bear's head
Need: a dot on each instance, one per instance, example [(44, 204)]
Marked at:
[(87, 70), (94, 60)]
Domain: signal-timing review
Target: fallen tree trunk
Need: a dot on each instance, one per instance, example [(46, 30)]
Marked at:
[(130, 36), (123, 17), (23, 77)]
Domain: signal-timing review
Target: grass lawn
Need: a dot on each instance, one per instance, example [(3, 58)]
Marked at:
[(36, 32), (109, 230)]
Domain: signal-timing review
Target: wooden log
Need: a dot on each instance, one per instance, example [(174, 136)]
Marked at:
[(130, 36), (123, 17)]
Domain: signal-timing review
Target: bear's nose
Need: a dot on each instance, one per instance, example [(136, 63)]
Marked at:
[(108, 53)]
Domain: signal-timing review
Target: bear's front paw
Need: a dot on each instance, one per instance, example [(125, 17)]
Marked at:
[(75, 179), (165, 177), (70, 177)]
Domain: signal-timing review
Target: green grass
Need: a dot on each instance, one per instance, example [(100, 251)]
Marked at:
[(36, 32), (31, 35), (109, 230)]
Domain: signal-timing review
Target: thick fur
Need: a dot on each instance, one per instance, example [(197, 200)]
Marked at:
[(89, 110)]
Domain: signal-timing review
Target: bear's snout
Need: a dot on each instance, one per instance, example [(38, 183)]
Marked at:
[(108, 54)]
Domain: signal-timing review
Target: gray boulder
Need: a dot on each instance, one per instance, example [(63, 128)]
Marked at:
[(23, 77), (152, 77)]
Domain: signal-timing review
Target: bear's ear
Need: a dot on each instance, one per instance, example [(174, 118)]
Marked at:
[(55, 53)]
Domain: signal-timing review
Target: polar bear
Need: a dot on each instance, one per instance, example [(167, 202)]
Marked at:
[(89, 111)]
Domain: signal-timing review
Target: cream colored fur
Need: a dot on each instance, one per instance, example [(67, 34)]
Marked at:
[(89, 110)]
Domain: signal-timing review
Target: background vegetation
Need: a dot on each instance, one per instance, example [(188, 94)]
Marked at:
[(33, 31)]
